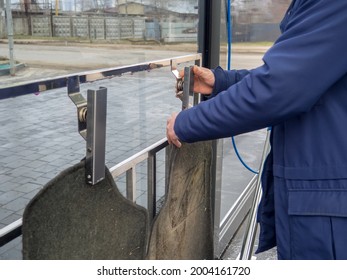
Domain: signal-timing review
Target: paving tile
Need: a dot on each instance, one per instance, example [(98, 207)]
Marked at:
[(34, 156), (11, 254), (10, 219), (45, 168), (41, 181), (4, 213), (21, 211), (5, 178), (8, 186), (28, 187), (4, 170), (9, 196), (33, 174), (36, 163), (30, 195), (17, 163), (20, 179), (17, 204), (11, 158), (50, 157), (18, 171)]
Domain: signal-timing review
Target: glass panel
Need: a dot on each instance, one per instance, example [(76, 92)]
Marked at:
[(73, 36), (255, 26)]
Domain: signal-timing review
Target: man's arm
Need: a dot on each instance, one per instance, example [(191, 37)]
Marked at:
[(307, 59)]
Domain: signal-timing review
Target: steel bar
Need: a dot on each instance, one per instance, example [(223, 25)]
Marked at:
[(130, 162), (188, 86), (96, 135), (10, 232), (42, 85), (152, 184), (10, 36), (131, 184), (251, 227)]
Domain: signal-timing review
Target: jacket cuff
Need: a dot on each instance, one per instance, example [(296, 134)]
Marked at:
[(226, 78)]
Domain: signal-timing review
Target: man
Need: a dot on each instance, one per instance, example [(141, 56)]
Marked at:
[(301, 92)]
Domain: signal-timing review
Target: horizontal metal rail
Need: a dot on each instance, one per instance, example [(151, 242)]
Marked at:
[(89, 76), (10, 232), (130, 162), (128, 166)]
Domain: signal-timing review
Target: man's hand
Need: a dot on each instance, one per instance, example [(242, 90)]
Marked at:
[(203, 79), (170, 133)]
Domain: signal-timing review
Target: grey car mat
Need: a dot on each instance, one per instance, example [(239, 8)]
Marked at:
[(183, 229), (69, 219)]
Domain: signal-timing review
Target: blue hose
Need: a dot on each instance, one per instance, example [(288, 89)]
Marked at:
[(229, 32)]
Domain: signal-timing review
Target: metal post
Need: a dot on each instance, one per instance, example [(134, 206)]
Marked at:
[(188, 86), (56, 7), (251, 227), (96, 135), (209, 47), (10, 36), (209, 32), (152, 185), (131, 184)]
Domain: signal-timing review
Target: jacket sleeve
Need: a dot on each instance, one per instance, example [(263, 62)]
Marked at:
[(306, 60), (224, 79)]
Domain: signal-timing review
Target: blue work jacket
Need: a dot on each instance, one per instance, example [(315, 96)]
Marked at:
[(301, 92)]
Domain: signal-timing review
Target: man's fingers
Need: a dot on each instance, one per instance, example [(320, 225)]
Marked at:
[(170, 133), (177, 143)]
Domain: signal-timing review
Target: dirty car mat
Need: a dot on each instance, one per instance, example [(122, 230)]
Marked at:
[(69, 219), (183, 229)]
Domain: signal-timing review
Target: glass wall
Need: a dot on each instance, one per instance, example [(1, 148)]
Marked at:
[(251, 28)]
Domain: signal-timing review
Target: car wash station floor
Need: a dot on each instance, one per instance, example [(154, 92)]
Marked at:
[(39, 139)]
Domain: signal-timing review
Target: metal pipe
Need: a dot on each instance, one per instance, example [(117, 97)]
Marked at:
[(10, 36), (152, 185), (251, 227), (130, 162), (89, 76), (10, 232)]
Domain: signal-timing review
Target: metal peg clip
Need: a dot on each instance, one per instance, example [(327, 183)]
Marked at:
[(91, 117)]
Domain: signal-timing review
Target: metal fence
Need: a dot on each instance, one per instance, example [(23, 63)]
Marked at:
[(102, 28)]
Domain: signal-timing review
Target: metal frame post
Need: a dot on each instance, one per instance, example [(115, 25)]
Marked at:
[(247, 246), (209, 32), (96, 135), (10, 36)]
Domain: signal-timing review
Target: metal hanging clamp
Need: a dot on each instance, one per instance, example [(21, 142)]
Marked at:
[(184, 86), (91, 117), (188, 86)]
